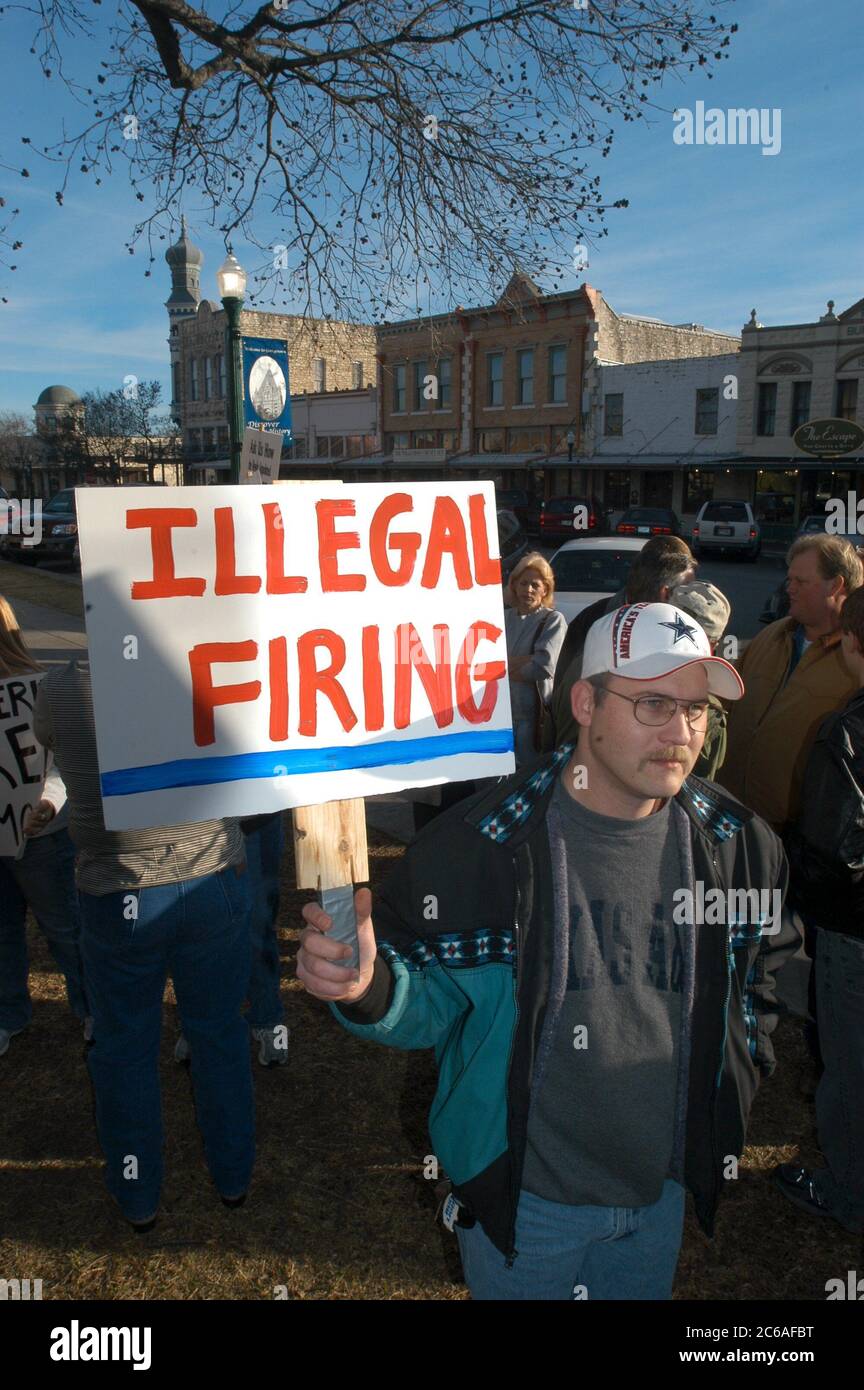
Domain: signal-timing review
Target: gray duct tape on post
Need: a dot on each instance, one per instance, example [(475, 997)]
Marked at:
[(338, 903)]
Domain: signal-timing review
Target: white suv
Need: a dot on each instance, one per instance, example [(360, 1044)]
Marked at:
[(726, 526)]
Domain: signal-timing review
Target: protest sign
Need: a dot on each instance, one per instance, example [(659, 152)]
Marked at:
[(23, 763), (262, 451), (257, 648)]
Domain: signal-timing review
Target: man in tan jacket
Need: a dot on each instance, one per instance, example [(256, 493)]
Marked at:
[(794, 675)]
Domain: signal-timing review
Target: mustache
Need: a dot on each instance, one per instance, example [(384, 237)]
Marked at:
[(675, 753)]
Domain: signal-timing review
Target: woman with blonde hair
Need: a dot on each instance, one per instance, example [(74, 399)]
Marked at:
[(535, 633), (36, 854)]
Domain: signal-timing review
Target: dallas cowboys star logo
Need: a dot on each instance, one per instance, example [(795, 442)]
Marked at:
[(681, 630)]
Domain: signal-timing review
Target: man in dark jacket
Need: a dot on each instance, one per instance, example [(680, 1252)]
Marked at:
[(599, 1028), (662, 562), (826, 857)]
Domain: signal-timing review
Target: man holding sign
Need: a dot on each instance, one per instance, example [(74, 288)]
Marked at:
[(251, 649), (596, 1053)]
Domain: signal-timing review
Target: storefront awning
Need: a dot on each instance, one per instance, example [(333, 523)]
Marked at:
[(706, 463), (659, 462), (497, 461)]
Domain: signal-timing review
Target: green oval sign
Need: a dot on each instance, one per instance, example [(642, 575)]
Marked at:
[(829, 438)]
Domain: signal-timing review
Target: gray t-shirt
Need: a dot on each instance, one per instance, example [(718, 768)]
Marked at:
[(601, 1127)]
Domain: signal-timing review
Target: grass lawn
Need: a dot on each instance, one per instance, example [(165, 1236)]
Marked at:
[(40, 586), (339, 1206)]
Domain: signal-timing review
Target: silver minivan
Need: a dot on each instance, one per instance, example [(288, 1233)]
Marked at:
[(726, 526)]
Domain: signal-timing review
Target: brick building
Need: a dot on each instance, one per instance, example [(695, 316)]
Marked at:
[(504, 391)]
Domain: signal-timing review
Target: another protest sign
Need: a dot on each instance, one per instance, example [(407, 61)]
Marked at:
[(23, 762), (262, 452), (256, 648)]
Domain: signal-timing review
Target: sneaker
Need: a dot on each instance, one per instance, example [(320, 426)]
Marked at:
[(5, 1035), (273, 1045), (142, 1227), (801, 1186), (181, 1050), (88, 1028)]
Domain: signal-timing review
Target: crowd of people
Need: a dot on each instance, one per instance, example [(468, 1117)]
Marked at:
[(598, 1049)]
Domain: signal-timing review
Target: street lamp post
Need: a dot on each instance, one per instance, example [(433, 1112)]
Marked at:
[(231, 279)]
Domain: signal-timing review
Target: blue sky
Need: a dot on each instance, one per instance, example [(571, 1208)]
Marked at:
[(710, 232)]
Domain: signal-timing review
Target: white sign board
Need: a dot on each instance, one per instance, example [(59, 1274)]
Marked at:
[(258, 648), (262, 452), (23, 762)]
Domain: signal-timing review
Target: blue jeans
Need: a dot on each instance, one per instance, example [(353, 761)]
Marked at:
[(43, 879), (263, 857), (198, 933), (609, 1252)]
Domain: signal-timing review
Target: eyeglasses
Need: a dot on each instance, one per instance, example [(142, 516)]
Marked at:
[(655, 710)]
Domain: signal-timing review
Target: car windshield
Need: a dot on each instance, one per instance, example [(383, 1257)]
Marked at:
[(62, 502), (564, 504), (726, 511), (591, 571), (645, 516)]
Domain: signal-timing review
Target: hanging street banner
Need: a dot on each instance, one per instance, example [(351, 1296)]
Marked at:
[(257, 648), (261, 456), (266, 389), (23, 762)]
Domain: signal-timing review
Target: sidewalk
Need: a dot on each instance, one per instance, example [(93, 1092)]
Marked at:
[(52, 636)]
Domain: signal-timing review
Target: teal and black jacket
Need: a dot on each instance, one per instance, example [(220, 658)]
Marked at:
[(472, 961)]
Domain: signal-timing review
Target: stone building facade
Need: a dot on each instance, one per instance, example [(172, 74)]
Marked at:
[(325, 356), (790, 374)]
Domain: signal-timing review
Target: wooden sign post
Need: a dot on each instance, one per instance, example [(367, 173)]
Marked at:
[(330, 856)]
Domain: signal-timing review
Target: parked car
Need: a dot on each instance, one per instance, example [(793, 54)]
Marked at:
[(590, 569), (512, 541), (648, 521), (59, 533), (728, 526), (559, 517), (814, 522), (514, 499)]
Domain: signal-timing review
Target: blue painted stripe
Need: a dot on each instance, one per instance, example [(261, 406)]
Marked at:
[(241, 767)]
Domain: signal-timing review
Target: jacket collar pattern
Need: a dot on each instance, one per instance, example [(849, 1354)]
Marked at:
[(703, 803)]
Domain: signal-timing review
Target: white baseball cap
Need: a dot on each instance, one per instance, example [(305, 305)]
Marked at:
[(644, 641)]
